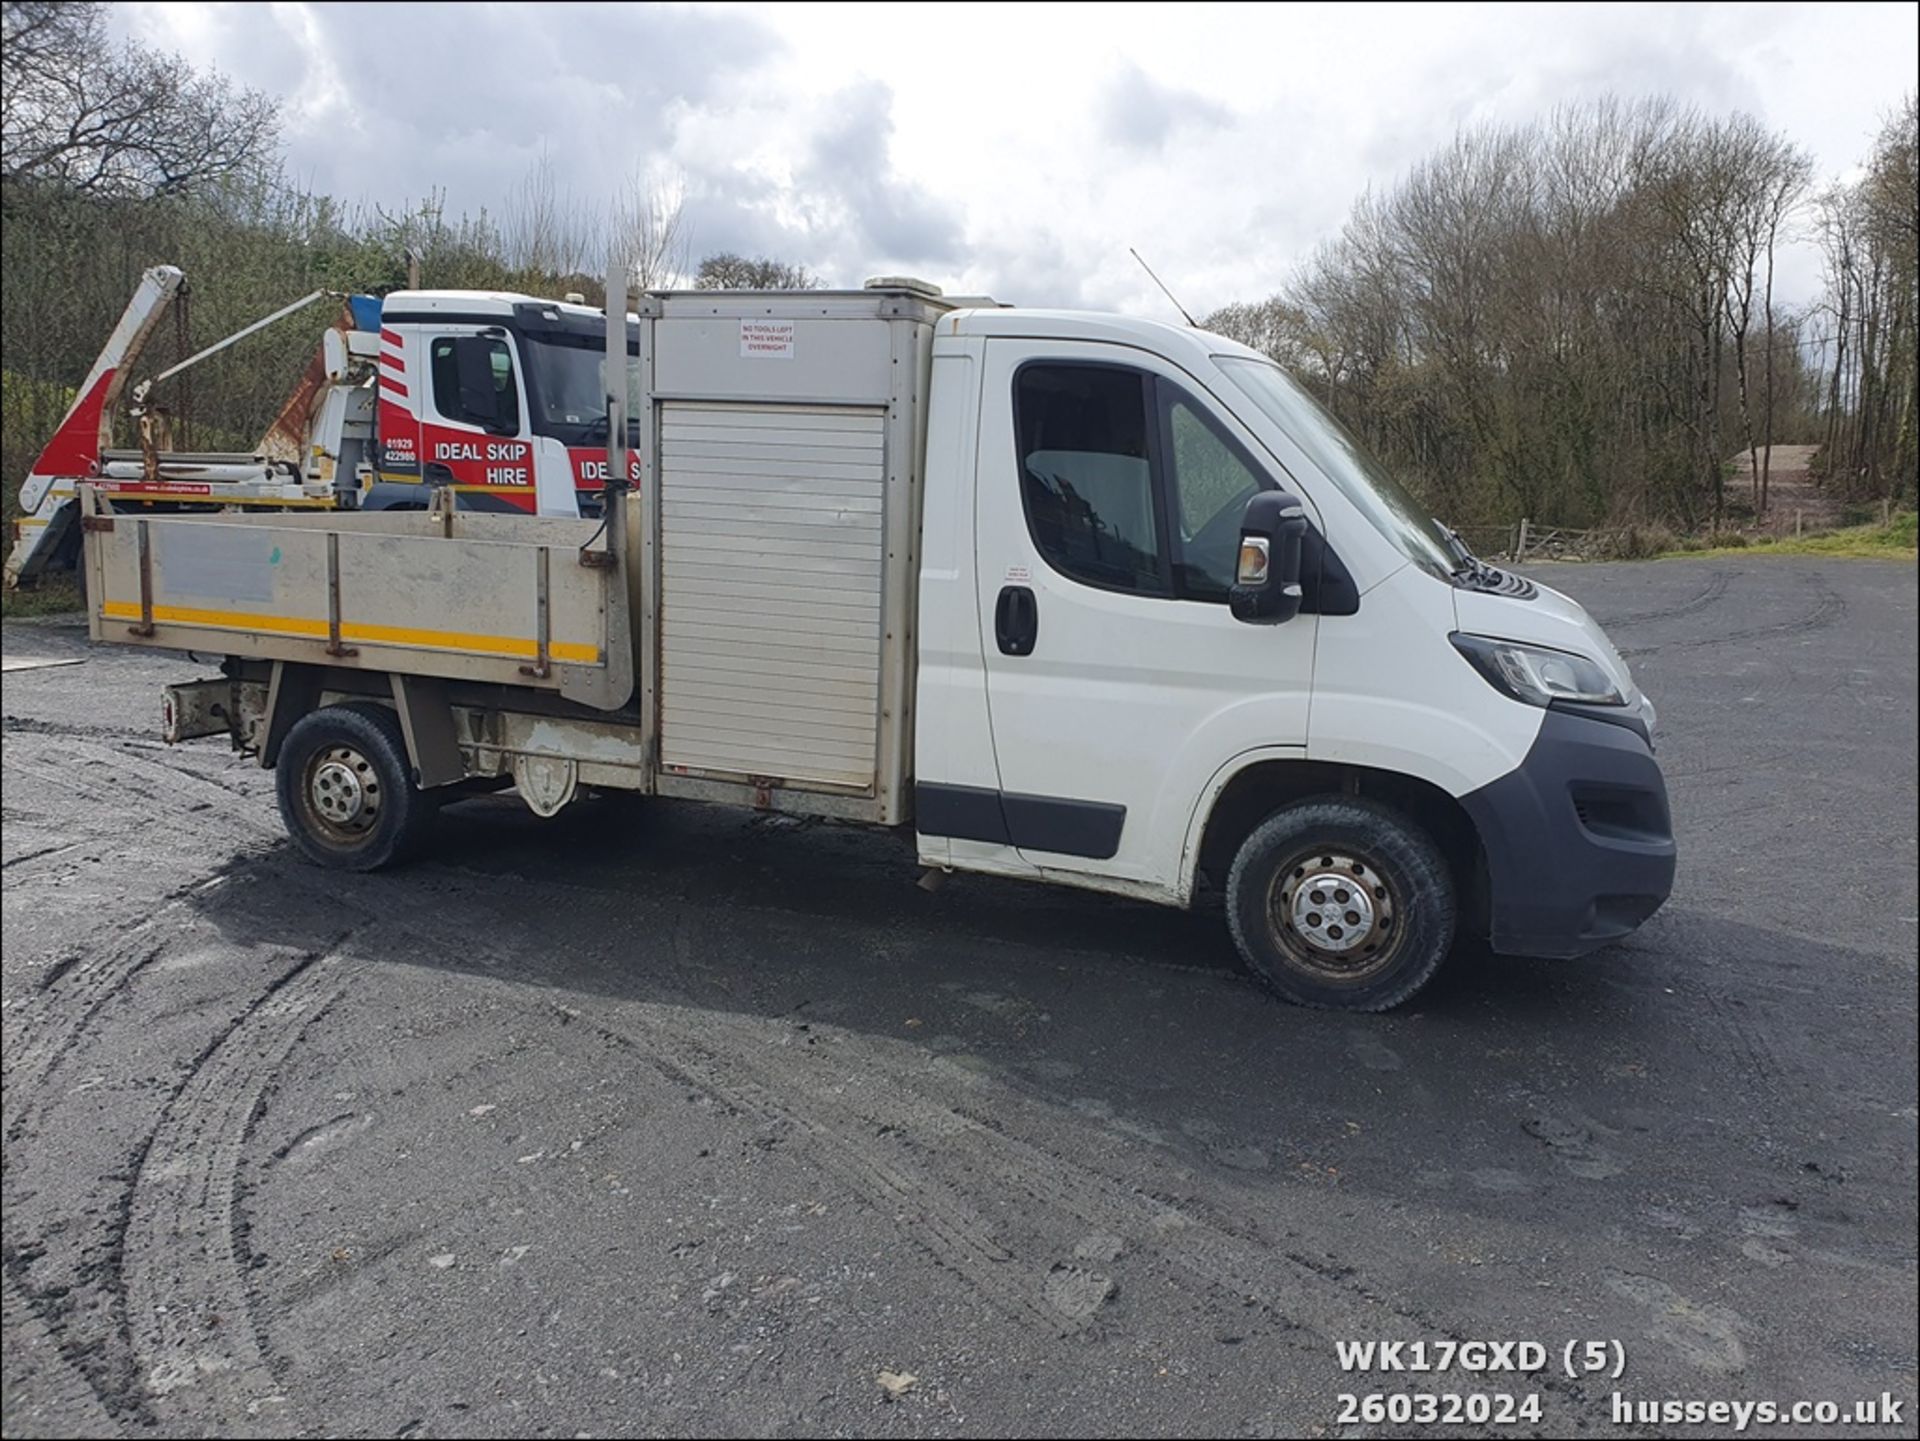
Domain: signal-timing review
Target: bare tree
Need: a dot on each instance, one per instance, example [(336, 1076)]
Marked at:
[(1770, 176), (1786, 188), (543, 230), (728, 271), (647, 223), (1544, 319), (117, 120), (1274, 326), (1868, 236)]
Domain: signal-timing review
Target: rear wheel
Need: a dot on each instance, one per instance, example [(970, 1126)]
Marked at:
[(1340, 903), (346, 790)]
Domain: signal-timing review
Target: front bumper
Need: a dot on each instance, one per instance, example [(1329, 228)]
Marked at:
[(1578, 839)]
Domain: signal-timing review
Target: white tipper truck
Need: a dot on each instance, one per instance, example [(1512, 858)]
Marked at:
[(1067, 597)]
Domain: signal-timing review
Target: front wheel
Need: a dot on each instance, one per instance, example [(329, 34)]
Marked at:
[(1340, 903)]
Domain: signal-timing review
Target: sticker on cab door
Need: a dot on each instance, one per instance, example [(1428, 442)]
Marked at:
[(766, 340)]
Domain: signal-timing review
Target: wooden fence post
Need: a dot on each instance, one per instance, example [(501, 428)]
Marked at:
[(1520, 545)]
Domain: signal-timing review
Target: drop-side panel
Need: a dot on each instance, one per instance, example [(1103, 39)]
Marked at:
[(463, 597), (772, 547)]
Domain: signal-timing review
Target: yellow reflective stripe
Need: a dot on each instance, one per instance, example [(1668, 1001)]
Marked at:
[(503, 645), (224, 619)]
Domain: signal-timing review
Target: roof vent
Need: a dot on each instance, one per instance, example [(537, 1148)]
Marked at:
[(906, 283), (574, 297)]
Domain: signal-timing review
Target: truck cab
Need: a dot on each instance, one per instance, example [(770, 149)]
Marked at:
[(493, 395), (1095, 707)]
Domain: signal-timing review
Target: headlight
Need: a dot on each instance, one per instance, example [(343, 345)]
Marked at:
[(1537, 675)]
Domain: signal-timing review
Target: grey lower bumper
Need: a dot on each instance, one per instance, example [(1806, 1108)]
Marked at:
[(1578, 839)]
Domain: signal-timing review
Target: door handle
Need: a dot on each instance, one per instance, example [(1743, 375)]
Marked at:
[(1016, 620)]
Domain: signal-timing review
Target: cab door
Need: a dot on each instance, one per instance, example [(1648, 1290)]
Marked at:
[(1110, 489), (474, 432)]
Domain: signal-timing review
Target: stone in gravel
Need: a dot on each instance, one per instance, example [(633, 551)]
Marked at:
[(897, 1383)]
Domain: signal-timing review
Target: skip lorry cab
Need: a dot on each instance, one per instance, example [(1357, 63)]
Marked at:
[(1066, 597)]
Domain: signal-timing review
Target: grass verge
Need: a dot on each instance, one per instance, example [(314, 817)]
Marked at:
[(49, 597), (1893, 541)]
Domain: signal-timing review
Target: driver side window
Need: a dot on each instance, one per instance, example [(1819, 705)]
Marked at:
[(1084, 436), (445, 369), (1129, 483)]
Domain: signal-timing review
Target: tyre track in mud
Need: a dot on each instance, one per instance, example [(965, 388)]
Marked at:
[(191, 1320), (187, 1155), (196, 1338), (935, 1166), (171, 1324), (103, 960), (894, 1145), (903, 1153), (60, 1385), (74, 992), (38, 1044), (1829, 609), (1710, 594), (94, 770), (871, 1142)]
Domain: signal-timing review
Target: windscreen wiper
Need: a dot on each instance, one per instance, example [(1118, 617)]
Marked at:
[(1467, 562)]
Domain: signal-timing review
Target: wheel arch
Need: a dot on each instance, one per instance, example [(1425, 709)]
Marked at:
[(1245, 793)]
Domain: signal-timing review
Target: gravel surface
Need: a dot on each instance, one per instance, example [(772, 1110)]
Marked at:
[(662, 1119)]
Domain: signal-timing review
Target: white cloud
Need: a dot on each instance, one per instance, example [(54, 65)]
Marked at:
[(1017, 149)]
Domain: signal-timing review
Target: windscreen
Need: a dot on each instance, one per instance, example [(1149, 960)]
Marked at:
[(568, 402), (1330, 446)]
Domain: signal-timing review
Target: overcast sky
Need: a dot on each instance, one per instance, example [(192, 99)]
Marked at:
[(1016, 151)]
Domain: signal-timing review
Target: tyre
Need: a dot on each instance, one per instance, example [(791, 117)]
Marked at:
[(346, 790), (1340, 903)]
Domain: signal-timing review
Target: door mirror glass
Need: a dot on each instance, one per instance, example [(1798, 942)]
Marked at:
[(1266, 581)]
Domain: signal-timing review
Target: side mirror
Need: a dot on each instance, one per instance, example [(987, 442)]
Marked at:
[(1266, 579), (480, 401)]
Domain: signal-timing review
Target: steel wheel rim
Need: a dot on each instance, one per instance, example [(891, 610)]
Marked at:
[(1333, 912), (340, 793)]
